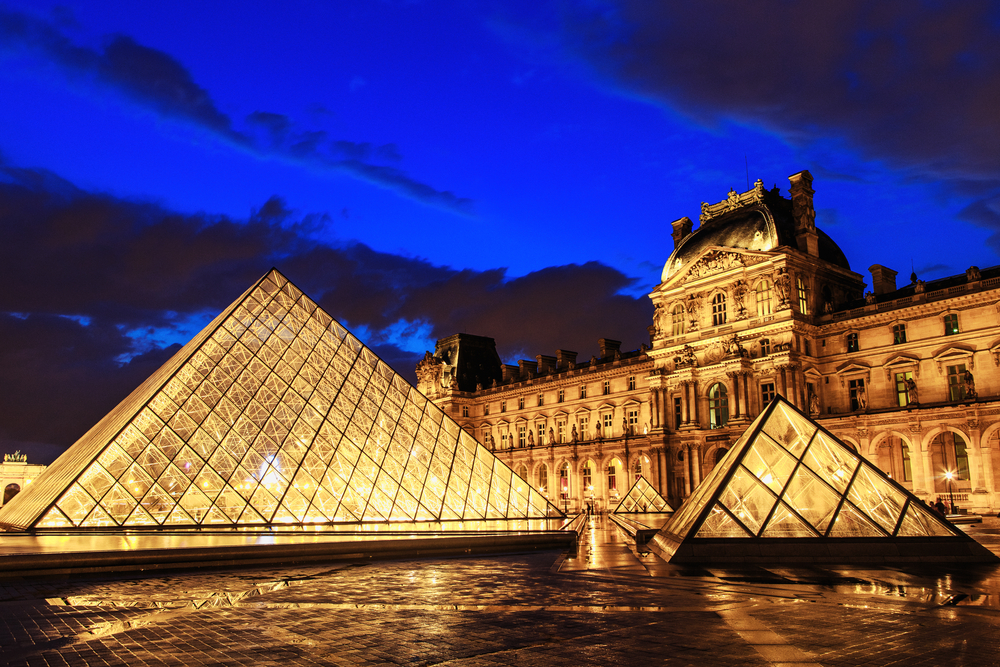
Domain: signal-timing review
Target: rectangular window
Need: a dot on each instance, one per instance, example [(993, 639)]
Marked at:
[(608, 425), (898, 334), (677, 321), (465, 410), (808, 347), (486, 409), (718, 310), (678, 415), (588, 478), (961, 459), (520, 403), (522, 436), (584, 425), (631, 383), (583, 391), (956, 382), (607, 387), (633, 421), (764, 298), (902, 395), (852, 342), (803, 290), (859, 399), (907, 469), (950, 324), (765, 347), (766, 393), (564, 480), (562, 395), (503, 406), (541, 400), (612, 482), (540, 428), (561, 431)]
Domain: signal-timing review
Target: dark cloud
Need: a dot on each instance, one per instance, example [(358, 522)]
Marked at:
[(87, 276), (160, 82)]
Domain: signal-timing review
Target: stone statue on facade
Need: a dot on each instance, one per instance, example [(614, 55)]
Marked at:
[(970, 386), (573, 436), (911, 392), (813, 405), (531, 438), (782, 282), (869, 298), (740, 289), (552, 436), (597, 431), (862, 398)]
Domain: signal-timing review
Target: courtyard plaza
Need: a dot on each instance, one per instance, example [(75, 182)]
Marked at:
[(602, 603)]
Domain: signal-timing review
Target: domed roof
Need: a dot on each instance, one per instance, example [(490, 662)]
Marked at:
[(763, 224)]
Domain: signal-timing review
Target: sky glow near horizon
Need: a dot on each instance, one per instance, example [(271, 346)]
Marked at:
[(422, 168)]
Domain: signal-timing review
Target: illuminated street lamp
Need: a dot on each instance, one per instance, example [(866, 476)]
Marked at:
[(951, 496)]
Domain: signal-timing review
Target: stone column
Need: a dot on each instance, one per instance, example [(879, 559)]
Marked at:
[(695, 459), (929, 472), (687, 473), (695, 418), (783, 383), (734, 391), (917, 463), (685, 405), (654, 408), (976, 467)]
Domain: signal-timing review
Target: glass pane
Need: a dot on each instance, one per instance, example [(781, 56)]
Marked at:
[(784, 523), (119, 503), (719, 524), (811, 498), (920, 522), (876, 498), (747, 499), (769, 463), (96, 480), (789, 429), (832, 461), (851, 523), (76, 504)]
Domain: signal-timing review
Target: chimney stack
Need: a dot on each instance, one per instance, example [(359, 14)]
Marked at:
[(682, 228), (883, 279), (608, 347), (564, 358), (803, 212), (546, 364), (529, 369)]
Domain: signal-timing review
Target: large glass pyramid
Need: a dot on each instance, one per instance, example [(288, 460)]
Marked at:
[(788, 478), (273, 414), (642, 498)]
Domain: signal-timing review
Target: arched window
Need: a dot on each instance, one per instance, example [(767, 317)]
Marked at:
[(718, 309), (613, 474), (564, 480), (677, 320), (718, 406), (764, 306), (522, 472), (9, 492), (543, 477), (638, 468), (588, 477)]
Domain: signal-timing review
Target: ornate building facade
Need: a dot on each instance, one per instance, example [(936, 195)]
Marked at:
[(757, 301)]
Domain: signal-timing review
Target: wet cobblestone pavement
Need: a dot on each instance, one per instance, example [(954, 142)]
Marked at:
[(603, 605)]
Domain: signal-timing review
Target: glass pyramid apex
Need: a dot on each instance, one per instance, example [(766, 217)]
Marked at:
[(273, 414), (788, 477), (642, 497)]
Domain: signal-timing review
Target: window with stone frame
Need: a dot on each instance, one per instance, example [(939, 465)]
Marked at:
[(852, 342), (767, 393), (465, 410), (503, 406), (564, 480), (540, 430), (583, 391), (902, 395), (541, 399), (765, 347), (543, 477), (607, 387), (612, 478), (522, 435), (633, 420), (562, 395), (584, 424), (718, 406), (856, 391), (718, 309), (950, 324), (631, 383), (677, 320), (520, 403), (803, 292), (588, 476), (956, 382), (678, 411), (898, 333), (561, 430), (608, 426), (764, 303)]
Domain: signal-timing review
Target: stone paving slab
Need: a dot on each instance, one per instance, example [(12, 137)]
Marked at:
[(602, 604)]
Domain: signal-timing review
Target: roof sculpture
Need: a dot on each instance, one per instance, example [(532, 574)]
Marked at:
[(273, 414), (641, 498), (789, 491)]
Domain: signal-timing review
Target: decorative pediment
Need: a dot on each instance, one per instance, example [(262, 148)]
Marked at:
[(733, 201), (898, 362), (582, 412), (560, 413), (714, 260), (953, 354), (854, 368), (606, 407), (630, 403), (995, 350)]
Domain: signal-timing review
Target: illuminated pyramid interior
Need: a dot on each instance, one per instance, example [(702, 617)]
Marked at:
[(273, 414), (641, 498), (788, 489)]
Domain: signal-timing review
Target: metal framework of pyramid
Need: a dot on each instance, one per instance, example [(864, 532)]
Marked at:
[(788, 490), (642, 498), (273, 414)]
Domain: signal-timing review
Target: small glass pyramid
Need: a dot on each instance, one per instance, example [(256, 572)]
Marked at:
[(786, 477), (274, 414), (642, 497)]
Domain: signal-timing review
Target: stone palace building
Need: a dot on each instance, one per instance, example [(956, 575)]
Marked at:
[(756, 301)]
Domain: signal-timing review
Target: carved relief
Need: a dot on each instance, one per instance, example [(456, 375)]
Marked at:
[(733, 200), (718, 261), (782, 282), (740, 289)]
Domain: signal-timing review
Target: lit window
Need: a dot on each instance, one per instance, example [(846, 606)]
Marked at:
[(718, 309), (803, 290), (564, 480), (608, 424), (764, 306), (902, 396), (852, 342), (677, 320), (543, 477), (766, 393), (584, 424), (522, 436), (612, 481), (718, 406), (950, 324), (633, 420), (587, 476), (540, 428), (956, 382), (561, 428), (898, 334)]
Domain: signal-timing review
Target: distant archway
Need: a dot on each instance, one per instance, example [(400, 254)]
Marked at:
[(9, 492)]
